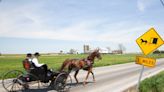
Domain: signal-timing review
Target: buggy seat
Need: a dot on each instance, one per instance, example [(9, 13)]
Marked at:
[(28, 66)]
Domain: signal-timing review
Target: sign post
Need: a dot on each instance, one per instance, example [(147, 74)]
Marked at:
[(148, 42), (139, 80)]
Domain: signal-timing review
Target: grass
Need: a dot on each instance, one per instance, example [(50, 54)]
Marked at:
[(14, 62), (153, 84)]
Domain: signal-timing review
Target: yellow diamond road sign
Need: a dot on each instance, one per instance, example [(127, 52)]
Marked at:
[(149, 41)]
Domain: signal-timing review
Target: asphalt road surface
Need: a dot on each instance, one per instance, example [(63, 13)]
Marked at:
[(114, 78)]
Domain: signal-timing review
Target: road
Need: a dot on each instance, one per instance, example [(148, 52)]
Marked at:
[(114, 78)]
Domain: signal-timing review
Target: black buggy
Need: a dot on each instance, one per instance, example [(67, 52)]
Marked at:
[(18, 81)]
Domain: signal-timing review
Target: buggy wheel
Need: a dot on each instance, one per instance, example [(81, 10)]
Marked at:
[(10, 81), (63, 82), (31, 82), (68, 83)]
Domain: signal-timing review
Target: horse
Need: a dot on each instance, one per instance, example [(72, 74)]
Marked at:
[(143, 41), (77, 64)]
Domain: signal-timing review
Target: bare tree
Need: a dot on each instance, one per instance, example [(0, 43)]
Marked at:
[(108, 48), (121, 47)]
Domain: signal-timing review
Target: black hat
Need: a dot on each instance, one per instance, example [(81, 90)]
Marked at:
[(28, 55), (37, 54)]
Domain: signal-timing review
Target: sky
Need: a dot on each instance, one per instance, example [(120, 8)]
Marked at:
[(48, 26)]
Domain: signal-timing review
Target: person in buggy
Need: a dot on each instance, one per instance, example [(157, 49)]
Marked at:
[(42, 69), (27, 62), (36, 63), (32, 66)]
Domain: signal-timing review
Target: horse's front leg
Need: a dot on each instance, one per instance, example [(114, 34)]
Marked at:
[(86, 78), (93, 76), (75, 76)]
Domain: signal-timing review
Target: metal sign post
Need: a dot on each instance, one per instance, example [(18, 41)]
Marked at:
[(139, 80)]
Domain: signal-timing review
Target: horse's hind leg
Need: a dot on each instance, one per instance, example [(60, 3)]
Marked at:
[(75, 76)]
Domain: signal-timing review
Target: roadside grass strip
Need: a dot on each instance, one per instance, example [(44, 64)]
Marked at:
[(153, 84)]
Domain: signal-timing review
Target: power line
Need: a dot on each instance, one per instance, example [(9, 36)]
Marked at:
[(162, 3)]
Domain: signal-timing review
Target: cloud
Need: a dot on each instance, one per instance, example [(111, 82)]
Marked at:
[(142, 5), (88, 30), (25, 22), (28, 23)]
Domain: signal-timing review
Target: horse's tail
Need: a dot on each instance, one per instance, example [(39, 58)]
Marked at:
[(65, 64)]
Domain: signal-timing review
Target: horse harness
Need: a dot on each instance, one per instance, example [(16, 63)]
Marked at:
[(88, 62)]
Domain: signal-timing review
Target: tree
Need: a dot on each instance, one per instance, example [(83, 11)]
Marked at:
[(121, 47), (162, 51), (156, 52), (72, 51), (108, 48), (61, 51)]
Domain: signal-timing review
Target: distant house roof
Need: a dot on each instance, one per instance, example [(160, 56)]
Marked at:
[(117, 52)]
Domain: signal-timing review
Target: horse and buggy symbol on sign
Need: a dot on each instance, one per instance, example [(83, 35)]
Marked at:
[(151, 41)]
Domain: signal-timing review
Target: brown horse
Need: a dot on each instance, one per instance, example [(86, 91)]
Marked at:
[(85, 64)]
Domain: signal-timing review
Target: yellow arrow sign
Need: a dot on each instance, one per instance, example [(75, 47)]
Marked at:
[(149, 41), (150, 62)]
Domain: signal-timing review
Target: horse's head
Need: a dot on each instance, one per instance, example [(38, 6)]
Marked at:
[(97, 54)]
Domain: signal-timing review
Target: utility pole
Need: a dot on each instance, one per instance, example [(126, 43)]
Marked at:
[(162, 3)]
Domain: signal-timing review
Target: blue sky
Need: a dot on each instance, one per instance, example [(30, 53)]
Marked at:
[(54, 25)]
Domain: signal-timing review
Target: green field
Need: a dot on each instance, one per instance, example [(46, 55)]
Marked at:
[(12, 62)]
